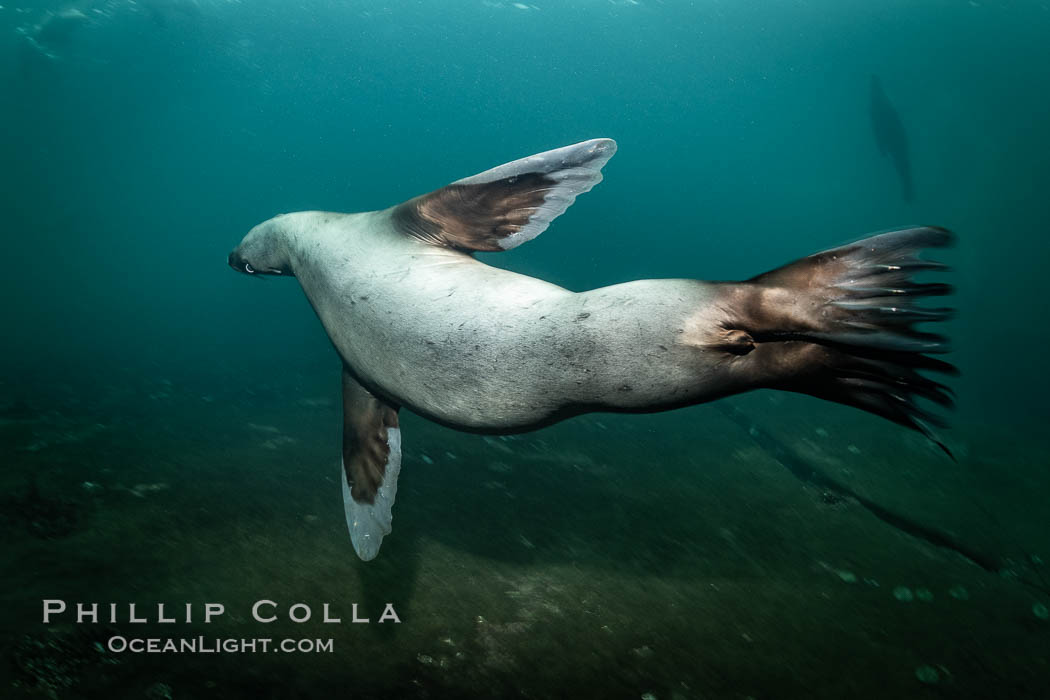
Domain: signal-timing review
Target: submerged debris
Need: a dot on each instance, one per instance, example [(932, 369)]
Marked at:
[(159, 691), (315, 403), (903, 594), (278, 441), (143, 490), (500, 467), (273, 430), (831, 498), (63, 434), (927, 674), (92, 487), (843, 574), (496, 444)]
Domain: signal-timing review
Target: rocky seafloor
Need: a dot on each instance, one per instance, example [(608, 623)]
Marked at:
[(681, 555)]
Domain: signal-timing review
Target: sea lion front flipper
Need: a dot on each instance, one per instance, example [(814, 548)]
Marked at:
[(512, 203), (371, 464)]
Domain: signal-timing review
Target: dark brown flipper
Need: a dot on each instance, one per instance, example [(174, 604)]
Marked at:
[(841, 325), (861, 294), (475, 217), (365, 445), (503, 207)]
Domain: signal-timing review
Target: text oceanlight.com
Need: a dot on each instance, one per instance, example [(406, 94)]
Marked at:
[(205, 645)]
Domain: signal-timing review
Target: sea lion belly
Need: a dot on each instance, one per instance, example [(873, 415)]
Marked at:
[(480, 348)]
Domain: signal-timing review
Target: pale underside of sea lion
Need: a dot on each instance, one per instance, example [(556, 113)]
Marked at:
[(420, 323)]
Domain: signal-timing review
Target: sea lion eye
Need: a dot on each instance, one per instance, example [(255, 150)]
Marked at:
[(248, 268)]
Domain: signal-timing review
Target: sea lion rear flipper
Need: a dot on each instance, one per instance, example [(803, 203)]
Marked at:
[(371, 463), (512, 203), (841, 325)]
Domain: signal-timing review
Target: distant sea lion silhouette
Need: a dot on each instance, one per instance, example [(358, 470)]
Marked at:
[(55, 31), (890, 136), (420, 323)]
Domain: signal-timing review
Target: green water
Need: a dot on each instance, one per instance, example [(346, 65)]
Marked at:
[(170, 431)]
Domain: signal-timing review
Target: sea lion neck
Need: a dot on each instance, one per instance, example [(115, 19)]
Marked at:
[(306, 235)]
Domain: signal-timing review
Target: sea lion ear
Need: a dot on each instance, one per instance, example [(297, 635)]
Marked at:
[(512, 203)]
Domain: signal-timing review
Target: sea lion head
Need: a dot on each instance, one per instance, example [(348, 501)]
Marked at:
[(263, 251)]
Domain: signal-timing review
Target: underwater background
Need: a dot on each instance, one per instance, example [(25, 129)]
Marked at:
[(170, 431)]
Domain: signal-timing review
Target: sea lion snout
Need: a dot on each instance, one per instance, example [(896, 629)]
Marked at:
[(240, 264), (264, 250)]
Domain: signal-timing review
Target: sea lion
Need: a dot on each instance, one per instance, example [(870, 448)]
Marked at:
[(890, 135), (54, 32), (420, 323)]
